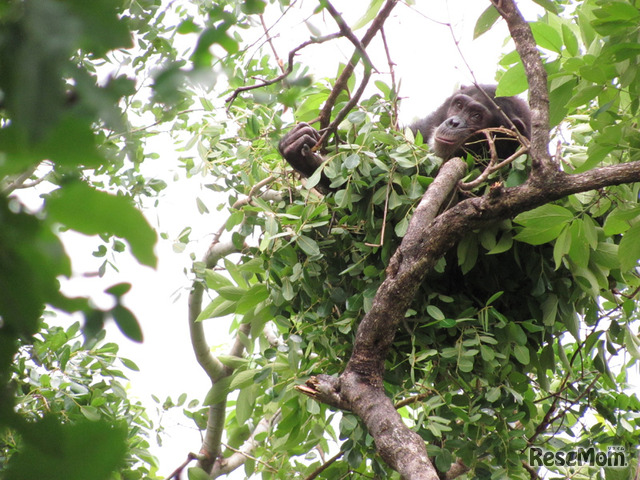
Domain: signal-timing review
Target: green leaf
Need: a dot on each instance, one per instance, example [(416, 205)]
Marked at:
[(513, 81), (357, 117), (90, 413), (218, 392), (505, 243), (485, 21), (606, 255), (130, 364), (196, 473), (231, 292), (352, 161), (243, 379), (550, 309), (558, 99), (216, 280), (253, 7), (619, 220), (587, 280), (233, 361), (89, 211), (629, 250), (584, 96), (370, 14), (548, 5), (252, 297), (102, 446), (570, 40), (127, 322), (487, 353), (492, 394), (542, 224), (308, 245), (119, 290), (521, 352), (202, 56), (435, 312), (579, 249), (81, 152), (546, 36), (561, 247), (244, 403), (494, 297), (219, 307), (517, 334), (31, 259), (547, 358)]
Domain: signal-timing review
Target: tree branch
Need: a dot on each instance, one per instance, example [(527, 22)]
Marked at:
[(537, 78), (360, 387), (286, 73), (341, 82), (214, 369)]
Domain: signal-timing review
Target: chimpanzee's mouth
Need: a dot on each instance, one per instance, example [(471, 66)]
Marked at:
[(445, 140)]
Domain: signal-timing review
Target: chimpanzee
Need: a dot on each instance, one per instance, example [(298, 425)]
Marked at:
[(450, 130)]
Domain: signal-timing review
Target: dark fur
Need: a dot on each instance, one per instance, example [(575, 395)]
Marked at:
[(450, 130)]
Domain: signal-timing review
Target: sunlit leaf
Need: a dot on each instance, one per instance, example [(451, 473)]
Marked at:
[(485, 21)]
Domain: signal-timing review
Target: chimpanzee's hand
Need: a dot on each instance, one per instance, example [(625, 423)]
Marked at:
[(296, 147)]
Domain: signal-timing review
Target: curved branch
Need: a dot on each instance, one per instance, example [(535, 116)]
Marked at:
[(212, 367), (215, 370)]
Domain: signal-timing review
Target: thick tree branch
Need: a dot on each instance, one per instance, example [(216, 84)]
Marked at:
[(207, 361), (537, 78), (360, 388)]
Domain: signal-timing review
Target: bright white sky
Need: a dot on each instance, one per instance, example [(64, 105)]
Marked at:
[(429, 68)]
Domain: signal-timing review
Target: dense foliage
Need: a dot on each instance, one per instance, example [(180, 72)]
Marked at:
[(526, 335)]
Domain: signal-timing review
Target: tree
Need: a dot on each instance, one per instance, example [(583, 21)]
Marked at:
[(430, 340), (506, 341)]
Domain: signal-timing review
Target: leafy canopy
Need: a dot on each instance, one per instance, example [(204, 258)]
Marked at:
[(524, 336)]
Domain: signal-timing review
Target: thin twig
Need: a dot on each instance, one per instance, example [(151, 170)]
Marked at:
[(178, 471), (241, 202), (324, 466), (394, 87), (287, 72), (270, 42), (384, 214), (493, 167)]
